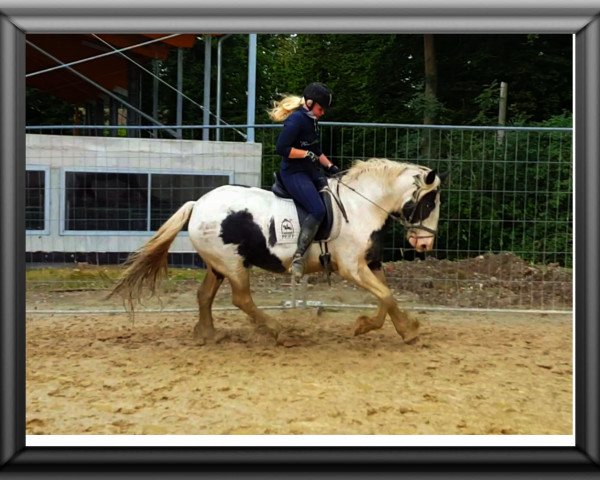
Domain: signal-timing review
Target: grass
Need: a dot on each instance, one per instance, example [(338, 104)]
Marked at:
[(79, 277)]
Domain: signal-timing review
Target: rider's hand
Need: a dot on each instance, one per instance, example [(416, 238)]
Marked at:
[(332, 170), (312, 156)]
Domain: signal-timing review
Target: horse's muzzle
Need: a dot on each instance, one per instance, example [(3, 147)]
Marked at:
[(421, 243)]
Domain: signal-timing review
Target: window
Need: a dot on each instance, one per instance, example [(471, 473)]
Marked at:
[(106, 201), (169, 192), (97, 201), (35, 199)]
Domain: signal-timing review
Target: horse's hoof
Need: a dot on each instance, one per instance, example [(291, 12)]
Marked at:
[(286, 339), (362, 325), (211, 339), (360, 330), (411, 334)]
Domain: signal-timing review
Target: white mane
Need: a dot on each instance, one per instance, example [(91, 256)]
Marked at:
[(387, 169)]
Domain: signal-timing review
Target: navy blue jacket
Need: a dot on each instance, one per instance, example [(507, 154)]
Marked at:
[(299, 131)]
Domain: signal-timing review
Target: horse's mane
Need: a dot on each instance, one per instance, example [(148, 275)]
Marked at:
[(387, 169)]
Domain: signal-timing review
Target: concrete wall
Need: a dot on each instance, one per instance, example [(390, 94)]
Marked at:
[(59, 153)]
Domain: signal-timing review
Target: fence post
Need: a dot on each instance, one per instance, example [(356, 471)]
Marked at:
[(207, 69), (251, 87), (219, 93), (502, 109)]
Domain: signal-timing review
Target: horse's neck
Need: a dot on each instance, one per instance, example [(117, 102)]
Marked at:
[(381, 201)]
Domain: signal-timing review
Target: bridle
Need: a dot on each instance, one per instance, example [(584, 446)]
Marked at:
[(406, 223), (410, 225)]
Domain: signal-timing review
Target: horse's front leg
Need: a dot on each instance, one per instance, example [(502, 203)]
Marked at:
[(365, 324), (406, 327)]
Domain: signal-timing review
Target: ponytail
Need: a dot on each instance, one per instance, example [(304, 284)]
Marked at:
[(284, 107)]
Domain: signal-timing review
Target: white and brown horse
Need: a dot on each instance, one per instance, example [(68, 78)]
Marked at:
[(233, 228)]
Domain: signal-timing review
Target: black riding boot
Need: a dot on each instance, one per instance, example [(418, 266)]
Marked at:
[(308, 230)]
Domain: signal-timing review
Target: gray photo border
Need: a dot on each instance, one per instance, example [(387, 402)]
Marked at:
[(263, 16)]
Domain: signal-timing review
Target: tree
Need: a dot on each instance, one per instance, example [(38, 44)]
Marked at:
[(388, 78), (430, 79)]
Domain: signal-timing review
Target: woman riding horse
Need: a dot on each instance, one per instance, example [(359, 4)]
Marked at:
[(233, 229), (302, 159)]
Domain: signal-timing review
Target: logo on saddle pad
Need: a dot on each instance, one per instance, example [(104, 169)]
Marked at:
[(287, 229)]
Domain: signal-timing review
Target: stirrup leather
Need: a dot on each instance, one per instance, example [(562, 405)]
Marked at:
[(325, 260)]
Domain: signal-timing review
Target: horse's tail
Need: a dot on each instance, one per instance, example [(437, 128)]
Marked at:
[(148, 265)]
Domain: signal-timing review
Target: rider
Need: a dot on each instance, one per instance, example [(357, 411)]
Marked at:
[(301, 159)]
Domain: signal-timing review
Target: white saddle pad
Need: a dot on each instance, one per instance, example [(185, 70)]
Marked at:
[(285, 217), (287, 224)]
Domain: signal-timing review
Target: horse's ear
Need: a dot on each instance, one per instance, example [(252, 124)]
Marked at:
[(430, 178), (443, 176)]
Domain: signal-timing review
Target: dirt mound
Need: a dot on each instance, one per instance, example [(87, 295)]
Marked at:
[(487, 281)]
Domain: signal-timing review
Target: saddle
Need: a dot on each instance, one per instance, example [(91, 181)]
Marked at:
[(326, 231)]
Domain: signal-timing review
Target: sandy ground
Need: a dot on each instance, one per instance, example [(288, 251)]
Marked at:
[(469, 373)]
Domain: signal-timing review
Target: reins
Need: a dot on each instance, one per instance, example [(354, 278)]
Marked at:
[(401, 220)]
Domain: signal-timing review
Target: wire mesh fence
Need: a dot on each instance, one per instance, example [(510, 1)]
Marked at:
[(506, 225)]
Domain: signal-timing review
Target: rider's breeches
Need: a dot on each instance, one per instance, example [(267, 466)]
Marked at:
[(302, 188)]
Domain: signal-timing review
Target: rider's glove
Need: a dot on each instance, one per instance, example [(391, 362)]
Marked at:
[(312, 156), (332, 170)]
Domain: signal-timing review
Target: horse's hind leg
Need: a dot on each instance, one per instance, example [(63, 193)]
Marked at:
[(205, 329), (240, 287)]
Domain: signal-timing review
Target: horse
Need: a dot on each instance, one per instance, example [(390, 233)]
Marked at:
[(233, 229)]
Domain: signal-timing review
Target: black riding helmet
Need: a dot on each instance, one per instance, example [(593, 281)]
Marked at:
[(317, 92)]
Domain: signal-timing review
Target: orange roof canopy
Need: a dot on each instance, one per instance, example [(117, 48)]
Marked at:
[(111, 72)]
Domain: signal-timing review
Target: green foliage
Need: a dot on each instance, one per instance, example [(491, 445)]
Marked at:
[(375, 78), (44, 109), (507, 193), (72, 278), (94, 277), (487, 101), (424, 104)]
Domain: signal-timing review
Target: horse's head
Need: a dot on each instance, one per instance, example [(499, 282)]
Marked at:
[(410, 193), (420, 210)]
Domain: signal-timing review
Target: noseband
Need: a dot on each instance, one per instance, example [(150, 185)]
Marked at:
[(408, 224), (412, 226)]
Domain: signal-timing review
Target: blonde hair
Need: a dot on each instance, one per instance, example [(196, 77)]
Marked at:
[(283, 108)]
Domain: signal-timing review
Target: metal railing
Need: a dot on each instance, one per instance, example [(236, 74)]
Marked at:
[(510, 192)]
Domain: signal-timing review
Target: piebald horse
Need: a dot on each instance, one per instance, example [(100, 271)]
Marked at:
[(234, 228)]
